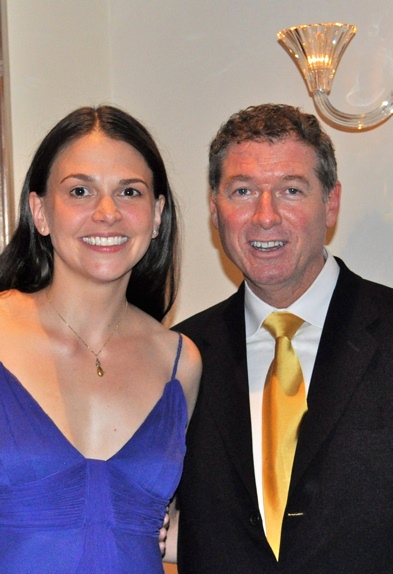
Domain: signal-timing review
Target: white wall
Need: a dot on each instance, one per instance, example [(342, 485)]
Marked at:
[(182, 67)]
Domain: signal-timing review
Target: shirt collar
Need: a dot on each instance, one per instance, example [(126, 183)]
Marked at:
[(312, 306)]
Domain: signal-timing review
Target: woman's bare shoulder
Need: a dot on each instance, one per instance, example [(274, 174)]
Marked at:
[(165, 344), (16, 306), (189, 371)]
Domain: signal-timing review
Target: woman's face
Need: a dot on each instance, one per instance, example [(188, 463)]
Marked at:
[(99, 209)]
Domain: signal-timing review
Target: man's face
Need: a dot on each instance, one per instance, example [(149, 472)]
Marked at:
[(272, 217)]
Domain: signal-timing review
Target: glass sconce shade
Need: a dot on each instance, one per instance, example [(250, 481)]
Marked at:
[(317, 50)]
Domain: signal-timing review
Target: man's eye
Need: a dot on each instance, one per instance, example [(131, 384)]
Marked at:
[(130, 192), (293, 191), (80, 191), (241, 191)]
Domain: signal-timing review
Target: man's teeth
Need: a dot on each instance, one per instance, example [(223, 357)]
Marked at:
[(105, 241), (267, 245)]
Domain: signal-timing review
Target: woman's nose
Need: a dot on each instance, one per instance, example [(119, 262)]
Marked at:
[(107, 210)]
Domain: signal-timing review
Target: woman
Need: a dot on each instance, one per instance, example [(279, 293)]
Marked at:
[(91, 431)]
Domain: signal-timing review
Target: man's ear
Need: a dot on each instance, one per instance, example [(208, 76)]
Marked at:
[(38, 212), (213, 210), (333, 206)]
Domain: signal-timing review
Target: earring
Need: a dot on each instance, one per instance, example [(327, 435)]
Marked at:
[(155, 232), (42, 229)]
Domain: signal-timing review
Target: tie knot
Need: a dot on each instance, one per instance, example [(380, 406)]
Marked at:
[(282, 324)]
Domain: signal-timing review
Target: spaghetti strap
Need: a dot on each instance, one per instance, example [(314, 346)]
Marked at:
[(179, 347)]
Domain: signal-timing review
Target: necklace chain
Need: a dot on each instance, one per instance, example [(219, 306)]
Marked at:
[(100, 370)]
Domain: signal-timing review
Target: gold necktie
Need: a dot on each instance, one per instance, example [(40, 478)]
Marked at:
[(284, 404)]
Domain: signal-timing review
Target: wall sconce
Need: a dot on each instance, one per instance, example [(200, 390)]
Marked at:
[(317, 50)]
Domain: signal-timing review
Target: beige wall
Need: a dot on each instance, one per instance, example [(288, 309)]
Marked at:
[(188, 65), (59, 60), (182, 67)]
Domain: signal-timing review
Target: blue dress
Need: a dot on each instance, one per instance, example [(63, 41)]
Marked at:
[(62, 513)]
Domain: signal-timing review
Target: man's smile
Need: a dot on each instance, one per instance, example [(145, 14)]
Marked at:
[(267, 245)]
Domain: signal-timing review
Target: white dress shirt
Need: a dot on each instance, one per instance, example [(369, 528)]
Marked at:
[(312, 306)]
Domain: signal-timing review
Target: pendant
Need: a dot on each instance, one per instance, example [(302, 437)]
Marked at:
[(100, 370)]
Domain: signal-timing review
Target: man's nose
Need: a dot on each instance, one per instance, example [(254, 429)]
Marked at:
[(266, 211)]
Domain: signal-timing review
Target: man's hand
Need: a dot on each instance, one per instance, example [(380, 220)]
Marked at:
[(163, 533)]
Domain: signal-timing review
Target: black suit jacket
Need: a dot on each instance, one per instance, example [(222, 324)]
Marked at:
[(339, 516)]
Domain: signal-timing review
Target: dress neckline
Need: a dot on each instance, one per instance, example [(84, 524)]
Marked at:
[(35, 404)]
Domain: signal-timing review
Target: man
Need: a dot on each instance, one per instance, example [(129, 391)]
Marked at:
[(274, 194)]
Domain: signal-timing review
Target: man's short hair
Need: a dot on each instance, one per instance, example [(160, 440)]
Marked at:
[(274, 123)]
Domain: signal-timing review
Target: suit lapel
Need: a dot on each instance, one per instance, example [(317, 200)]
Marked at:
[(345, 351), (226, 388)]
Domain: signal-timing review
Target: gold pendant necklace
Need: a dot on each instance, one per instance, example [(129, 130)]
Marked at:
[(100, 370)]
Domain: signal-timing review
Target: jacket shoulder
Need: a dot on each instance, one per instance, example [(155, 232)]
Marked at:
[(367, 292), (212, 318)]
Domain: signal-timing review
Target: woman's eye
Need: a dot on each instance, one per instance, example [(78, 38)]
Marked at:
[(130, 192), (80, 191)]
